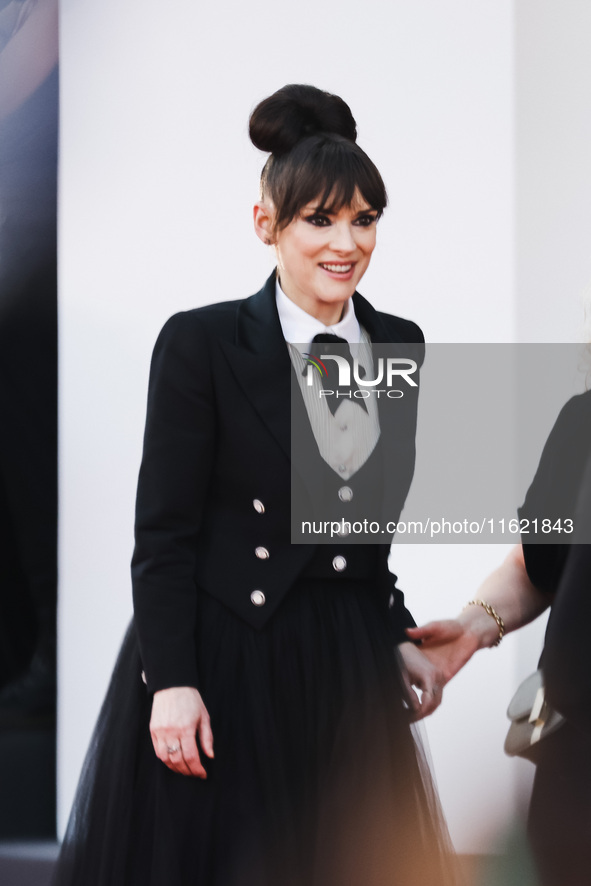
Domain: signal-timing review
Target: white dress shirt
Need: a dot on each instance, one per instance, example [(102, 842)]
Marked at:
[(347, 438)]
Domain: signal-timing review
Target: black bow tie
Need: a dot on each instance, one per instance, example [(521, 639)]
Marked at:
[(324, 343)]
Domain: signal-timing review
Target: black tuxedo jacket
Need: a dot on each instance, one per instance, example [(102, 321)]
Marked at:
[(214, 482)]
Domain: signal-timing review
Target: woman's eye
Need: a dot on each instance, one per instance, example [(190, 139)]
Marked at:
[(365, 220), (320, 221)]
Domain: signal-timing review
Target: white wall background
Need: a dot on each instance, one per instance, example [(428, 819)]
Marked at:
[(553, 174), (157, 182)]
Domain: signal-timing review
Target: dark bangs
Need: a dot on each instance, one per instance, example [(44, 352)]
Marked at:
[(326, 168)]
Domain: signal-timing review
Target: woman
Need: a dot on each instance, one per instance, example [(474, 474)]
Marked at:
[(545, 571), (281, 656)]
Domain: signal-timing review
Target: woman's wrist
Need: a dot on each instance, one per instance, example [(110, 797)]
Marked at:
[(481, 625)]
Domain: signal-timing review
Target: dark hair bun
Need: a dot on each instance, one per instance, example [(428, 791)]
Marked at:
[(294, 112)]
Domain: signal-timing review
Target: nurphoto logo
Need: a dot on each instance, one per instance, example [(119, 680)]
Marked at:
[(389, 370)]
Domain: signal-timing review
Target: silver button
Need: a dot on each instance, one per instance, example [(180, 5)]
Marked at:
[(345, 493), (144, 677), (257, 598), (339, 564), (262, 553), (258, 506), (343, 530)]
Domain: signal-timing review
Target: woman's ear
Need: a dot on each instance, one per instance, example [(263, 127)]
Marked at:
[(264, 217)]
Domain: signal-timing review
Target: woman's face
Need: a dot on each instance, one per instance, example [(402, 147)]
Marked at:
[(322, 256)]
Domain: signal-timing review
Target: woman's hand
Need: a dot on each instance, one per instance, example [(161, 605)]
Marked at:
[(447, 644), (178, 715), (420, 672)]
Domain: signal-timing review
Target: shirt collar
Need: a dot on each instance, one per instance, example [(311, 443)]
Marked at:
[(300, 327)]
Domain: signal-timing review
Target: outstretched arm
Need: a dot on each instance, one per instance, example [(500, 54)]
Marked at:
[(451, 643)]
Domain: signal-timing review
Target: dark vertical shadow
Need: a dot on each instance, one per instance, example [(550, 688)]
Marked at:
[(28, 416)]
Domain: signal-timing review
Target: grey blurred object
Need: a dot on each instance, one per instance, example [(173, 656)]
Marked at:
[(533, 719), (29, 48)]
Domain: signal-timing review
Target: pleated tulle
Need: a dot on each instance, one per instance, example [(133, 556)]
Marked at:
[(316, 779)]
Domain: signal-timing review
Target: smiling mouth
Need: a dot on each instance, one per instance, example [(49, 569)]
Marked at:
[(337, 269)]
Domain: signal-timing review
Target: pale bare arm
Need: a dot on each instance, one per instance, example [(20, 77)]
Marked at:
[(450, 644)]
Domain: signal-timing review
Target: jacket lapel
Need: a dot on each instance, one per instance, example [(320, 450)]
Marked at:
[(397, 416), (260, 362)]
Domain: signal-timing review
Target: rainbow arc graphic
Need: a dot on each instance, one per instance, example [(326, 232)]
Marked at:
[(312, 360)]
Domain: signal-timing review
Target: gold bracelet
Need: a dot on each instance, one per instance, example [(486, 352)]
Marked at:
[(493, 614)]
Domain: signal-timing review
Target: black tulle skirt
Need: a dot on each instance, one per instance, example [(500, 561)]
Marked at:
[(317, 779)]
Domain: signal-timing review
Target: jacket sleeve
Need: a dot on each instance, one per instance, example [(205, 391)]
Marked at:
[(553, 492), (171, 501), (413, 345), (400, 617)]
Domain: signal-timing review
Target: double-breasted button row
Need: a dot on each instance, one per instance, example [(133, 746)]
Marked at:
[(257, 598)]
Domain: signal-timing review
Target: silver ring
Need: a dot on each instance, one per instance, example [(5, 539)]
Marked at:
[(173, 749)]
